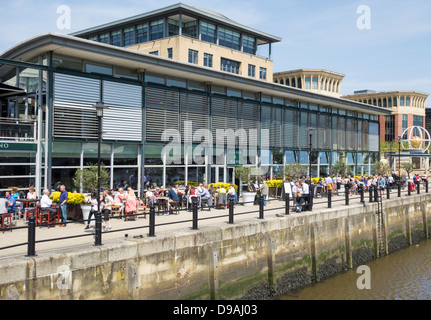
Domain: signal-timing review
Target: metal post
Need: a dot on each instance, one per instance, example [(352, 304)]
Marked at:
[(261, 207), (371, 193), (31, 245), (98, 231), (346, 195), (388, 192), (426, 186), (418, 186), (330, 199), (409, 187), (287, 204), (376, 194), (231, 208), (310, 197), (399, 188), (361, 192), (152, 220), (195, 215)]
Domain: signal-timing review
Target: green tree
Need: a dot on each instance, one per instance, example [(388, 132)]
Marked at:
[(87, 178), (340, 167), (295, 170), (408, 166), (381, 168)]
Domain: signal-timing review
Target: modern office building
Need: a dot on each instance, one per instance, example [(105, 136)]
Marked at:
[(407, 109), (49, 85), (315, 80)]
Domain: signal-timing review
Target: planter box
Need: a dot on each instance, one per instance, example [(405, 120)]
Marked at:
[(74, 212)]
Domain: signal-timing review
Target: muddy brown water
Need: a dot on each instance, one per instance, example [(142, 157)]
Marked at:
[(402, 275)]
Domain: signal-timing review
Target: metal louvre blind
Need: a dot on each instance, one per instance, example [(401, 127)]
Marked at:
[(74, 120), (162, 112), (248, 118), (271, 121), (302, 134), (123, 118), (76, 89), (195, 109), (290, 128), (341, 131), (73, 100), (365, 136), (351, 134), (223, 115), (324, 132)]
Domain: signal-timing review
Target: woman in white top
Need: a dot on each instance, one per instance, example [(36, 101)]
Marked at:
[(31, 194), (108, 201)]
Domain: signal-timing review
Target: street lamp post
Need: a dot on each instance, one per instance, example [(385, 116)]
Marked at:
[(310, 133), (399, 166), (99, 106)]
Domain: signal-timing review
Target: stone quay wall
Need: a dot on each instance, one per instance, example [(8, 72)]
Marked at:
[(256, 259)]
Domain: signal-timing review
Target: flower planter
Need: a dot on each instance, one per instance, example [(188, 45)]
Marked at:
[(248, 198), (74, 211), (86, 212)]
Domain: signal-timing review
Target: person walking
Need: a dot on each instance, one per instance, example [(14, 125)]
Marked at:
[(264, 191), (63, 205)]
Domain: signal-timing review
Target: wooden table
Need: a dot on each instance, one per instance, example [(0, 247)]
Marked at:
[(27, 203)]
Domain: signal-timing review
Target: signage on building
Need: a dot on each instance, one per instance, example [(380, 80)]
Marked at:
[(17, 146)]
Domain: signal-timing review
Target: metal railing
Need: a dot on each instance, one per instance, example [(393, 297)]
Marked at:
[(288, 203), (12, 129)]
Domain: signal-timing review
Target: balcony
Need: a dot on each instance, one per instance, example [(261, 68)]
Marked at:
[(18, 130)]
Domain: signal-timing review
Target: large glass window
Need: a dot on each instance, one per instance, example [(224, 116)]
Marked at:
[(248, 44), (251, 70), (190, 29), (129, 36), (208, 60), (142, 33), (116, 38), (126, 154), (173, 27), (193, 56), (262, 73), (229, 65), (157, 29), (229, 38), (208, 32), (405, 121), (66, 154), (314, 82), (307, 84), (104, 38)]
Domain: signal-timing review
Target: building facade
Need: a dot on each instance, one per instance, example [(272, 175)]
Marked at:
[(159, 111), (407, 107), (315, 80)]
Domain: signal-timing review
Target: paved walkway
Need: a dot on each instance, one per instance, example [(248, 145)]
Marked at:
[(274, 210)]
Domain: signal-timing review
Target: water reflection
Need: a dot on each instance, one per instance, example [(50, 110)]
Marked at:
[(402, 275)]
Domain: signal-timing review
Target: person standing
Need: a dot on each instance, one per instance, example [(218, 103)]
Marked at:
[(264, 191), (63, 205)]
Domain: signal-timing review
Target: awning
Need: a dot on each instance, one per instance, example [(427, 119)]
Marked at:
[(6, 91)]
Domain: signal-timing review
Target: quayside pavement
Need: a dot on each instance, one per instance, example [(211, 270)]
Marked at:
[(76, 236)]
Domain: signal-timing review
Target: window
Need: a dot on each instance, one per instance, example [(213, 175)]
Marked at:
[(156, 29), (229, 38), (314, 81), (401, 101), (170, 55), (129, 36), (208, 32), (154, 53), (407, 101), (251, 70), (193, 56), (262, 73), (190, 29), (248, 44), (418, 121), (208, 60), (389, 128), (116, 38), (405, 122), (104, 38), (173, 27), (307, 83), (142, 33), (229, 65)]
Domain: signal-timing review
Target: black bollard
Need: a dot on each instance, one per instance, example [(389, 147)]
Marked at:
[(195, 215), (261, 207), (376, 194), (330, 199), (231, 208), (98, 232), (399, 188), (310, 197), (152, 221), (287, 204), (426, 186), (388, 192), (371, 193), (31, 245), (409, 187), (346, 196), (361, 192), (418, 186)]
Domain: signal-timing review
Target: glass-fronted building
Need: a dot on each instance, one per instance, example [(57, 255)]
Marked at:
[(50, 83)]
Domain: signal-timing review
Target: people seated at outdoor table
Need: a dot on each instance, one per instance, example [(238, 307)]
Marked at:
[(10, 202), (15, 194), (205, 195), (150, 196), (162, 192), (3, 208), (119, 198), (46, 203), (173, 198), (31, 194), (131, 202), (221, 189), (192, 191), (231, 193)]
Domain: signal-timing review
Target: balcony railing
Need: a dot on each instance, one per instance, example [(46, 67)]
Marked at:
[(12, 129)]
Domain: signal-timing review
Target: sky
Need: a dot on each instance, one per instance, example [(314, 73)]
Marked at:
[(381, 45)]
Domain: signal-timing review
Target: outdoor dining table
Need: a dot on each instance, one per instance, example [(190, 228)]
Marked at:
[(162, 200), (26, 203)]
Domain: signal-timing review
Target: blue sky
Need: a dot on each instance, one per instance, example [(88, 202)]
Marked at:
[(393, 54)]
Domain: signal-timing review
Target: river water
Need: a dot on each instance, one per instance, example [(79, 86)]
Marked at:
[(402, 275)]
